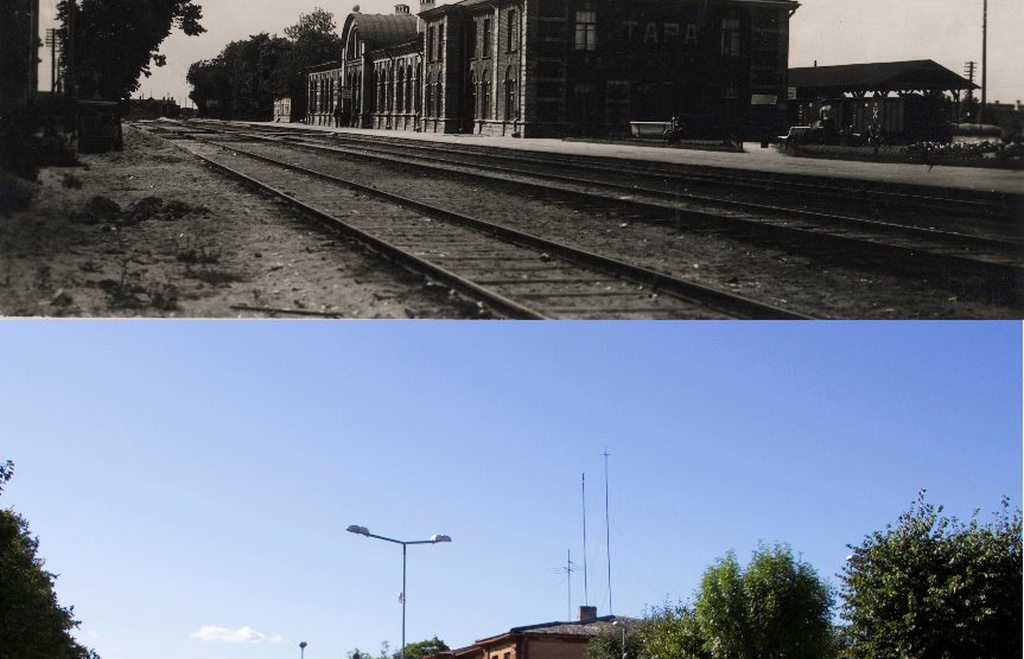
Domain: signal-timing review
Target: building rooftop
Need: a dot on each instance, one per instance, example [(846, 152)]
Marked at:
[(382, 30), (913, 75)]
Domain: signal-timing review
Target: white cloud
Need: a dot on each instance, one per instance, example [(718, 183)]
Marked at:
[(244, 634)]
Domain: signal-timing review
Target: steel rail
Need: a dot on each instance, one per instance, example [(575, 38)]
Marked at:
[(1002, 280), (733, 305), (672, 199)]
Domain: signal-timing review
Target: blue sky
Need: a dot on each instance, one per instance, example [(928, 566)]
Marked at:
[(191, 482)]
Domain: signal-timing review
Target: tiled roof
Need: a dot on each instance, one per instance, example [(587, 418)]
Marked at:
[(583, 629), (879, 76)]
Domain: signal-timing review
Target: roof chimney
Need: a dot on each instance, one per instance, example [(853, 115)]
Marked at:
[(588, 613), (401, 9)]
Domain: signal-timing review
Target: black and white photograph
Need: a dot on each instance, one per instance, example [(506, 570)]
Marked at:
[(512, 159)]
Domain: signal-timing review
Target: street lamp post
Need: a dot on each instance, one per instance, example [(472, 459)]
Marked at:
[(622, 625), (434, 539), (302, 649)]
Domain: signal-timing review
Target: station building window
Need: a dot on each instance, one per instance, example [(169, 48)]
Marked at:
[(513, 31), (400, 90), (586, 30), (731, 37), (428, 92), (485, 95), (510, 114), (485, 47)]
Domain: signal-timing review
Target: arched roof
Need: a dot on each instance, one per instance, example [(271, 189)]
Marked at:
[(379, 30)]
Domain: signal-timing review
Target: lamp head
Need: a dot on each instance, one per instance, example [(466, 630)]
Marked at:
[(361, 530), (440, 538)]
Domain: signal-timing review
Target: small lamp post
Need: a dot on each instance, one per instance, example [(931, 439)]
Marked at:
[(622, 625), (302, 649)]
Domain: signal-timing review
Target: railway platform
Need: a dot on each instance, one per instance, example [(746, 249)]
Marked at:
[(753, 157)]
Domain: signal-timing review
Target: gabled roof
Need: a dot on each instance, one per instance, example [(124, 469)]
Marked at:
[(916, 75), (381, 30)]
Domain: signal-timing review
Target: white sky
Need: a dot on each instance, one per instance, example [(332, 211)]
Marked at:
[(829, 31)]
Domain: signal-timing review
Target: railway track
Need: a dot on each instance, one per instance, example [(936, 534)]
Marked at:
[(515, 274), (987, 261), (992, 212), (979, 264), (992, 257)]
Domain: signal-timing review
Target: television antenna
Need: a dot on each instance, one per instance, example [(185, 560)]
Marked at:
[(567, 570)]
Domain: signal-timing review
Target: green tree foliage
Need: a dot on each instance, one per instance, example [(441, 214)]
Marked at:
[(33, 625), (932, 587), (417, 650), (665, 632), (113, 42), (672, 632), (778, 607), (421, 649)]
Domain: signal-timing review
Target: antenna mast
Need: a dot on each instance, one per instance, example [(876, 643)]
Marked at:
[(607, 533), (568, 592), (586, 592)]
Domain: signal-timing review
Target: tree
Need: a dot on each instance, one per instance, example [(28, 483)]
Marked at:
[(778, 607), (315, 41), (671, 632), (666, 632), (211, 86), (113, 42), (33, 625), (421, 649), (932, 587)]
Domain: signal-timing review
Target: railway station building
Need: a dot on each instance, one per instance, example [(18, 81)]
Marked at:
[(560, 68)]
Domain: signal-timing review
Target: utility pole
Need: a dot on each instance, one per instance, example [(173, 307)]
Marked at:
[(984, 58), (51, 41), (969, 72)]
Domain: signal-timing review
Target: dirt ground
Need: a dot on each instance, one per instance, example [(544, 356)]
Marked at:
[(151, 232)]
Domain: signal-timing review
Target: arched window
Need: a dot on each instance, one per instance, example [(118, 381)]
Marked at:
[(428, 90), (399, 88), (485, 95), (511, 107), (409, 89), (474, 95)]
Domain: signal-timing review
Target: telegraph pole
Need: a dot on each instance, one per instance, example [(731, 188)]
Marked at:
[(51, 41), (969, 68), (984, 58)]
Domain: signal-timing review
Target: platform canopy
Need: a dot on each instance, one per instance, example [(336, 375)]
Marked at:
[(880, 77)]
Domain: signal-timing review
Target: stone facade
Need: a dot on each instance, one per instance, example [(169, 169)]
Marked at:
[(555, 68)]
